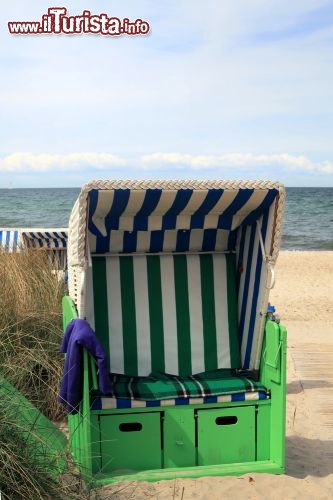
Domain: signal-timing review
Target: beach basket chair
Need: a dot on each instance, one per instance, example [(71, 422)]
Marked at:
[(173, 279), (52, 241), (10, 240)]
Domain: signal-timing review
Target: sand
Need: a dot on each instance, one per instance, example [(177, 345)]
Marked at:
[(303, 295)]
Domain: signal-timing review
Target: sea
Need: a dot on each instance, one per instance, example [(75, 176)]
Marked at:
[(308, 219)]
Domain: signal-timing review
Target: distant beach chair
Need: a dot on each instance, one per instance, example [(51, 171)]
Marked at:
[(51, 241), (10, 240), (173, 280)]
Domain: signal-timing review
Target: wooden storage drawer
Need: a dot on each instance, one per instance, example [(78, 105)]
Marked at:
[(130, 441), (226, 435)]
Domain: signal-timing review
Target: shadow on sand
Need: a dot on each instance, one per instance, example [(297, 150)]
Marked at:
[(298, 386), (308, 457)]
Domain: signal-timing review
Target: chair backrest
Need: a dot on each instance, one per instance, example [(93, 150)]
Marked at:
[(171, 313)]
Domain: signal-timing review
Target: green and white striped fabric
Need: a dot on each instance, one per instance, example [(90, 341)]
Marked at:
[(169, 313)]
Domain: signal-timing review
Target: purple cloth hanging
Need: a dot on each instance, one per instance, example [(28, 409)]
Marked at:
[(79, 334)]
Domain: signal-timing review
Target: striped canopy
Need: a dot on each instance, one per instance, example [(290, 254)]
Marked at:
[(157, 216), (157, 220), (53, 239), (126, 217)]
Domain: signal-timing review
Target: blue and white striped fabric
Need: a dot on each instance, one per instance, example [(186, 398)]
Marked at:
[(10, 240), (189, 220), (55, 240), (145, 218), (100, 403), (251, 285), (156, 220)]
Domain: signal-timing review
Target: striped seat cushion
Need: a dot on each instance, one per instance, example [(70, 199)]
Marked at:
[(103, 403), (164, 390), (166, 313)]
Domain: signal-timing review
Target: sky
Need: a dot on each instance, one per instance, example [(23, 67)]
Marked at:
[(216, 89)]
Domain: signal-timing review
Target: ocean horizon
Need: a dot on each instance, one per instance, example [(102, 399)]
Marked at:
[(308, 219)]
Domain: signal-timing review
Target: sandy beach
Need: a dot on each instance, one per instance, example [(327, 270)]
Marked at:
[(303, 296)]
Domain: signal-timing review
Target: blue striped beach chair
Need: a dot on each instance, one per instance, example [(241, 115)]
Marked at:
[(10, 240), (53, 241), (173, 278)]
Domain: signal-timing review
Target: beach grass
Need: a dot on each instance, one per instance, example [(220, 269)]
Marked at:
[(30, 472), (30, 337), (31, 328)]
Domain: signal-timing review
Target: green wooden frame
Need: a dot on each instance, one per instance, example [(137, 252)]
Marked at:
[(88, 446), (45, 441)]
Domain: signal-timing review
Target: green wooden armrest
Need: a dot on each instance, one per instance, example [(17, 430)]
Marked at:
[(273, 358), (69, 311), (93, 372), (273, 376)]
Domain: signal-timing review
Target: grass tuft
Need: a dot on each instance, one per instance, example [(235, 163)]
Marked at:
[(30, 337), (31, 328)]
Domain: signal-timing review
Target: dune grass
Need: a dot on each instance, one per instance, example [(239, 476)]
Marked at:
[(31, 328), (21, 476), (30, 473), (30, 337)]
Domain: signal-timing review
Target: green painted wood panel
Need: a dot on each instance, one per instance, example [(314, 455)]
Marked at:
[(179, 438), (131, 442), (226, 436)]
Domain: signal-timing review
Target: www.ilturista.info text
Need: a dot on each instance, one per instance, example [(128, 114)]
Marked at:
[(56, 22)]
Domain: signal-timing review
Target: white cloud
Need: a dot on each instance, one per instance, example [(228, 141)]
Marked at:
[(85, 162), (242, 161), (25, 162)]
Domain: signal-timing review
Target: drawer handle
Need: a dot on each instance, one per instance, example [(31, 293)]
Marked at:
[(130, 427), (226, 420)]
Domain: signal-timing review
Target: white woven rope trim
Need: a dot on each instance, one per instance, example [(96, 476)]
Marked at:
[(174, 185), (267, 258)]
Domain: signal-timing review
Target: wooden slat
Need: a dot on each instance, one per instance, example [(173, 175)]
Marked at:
[(314, 366)]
